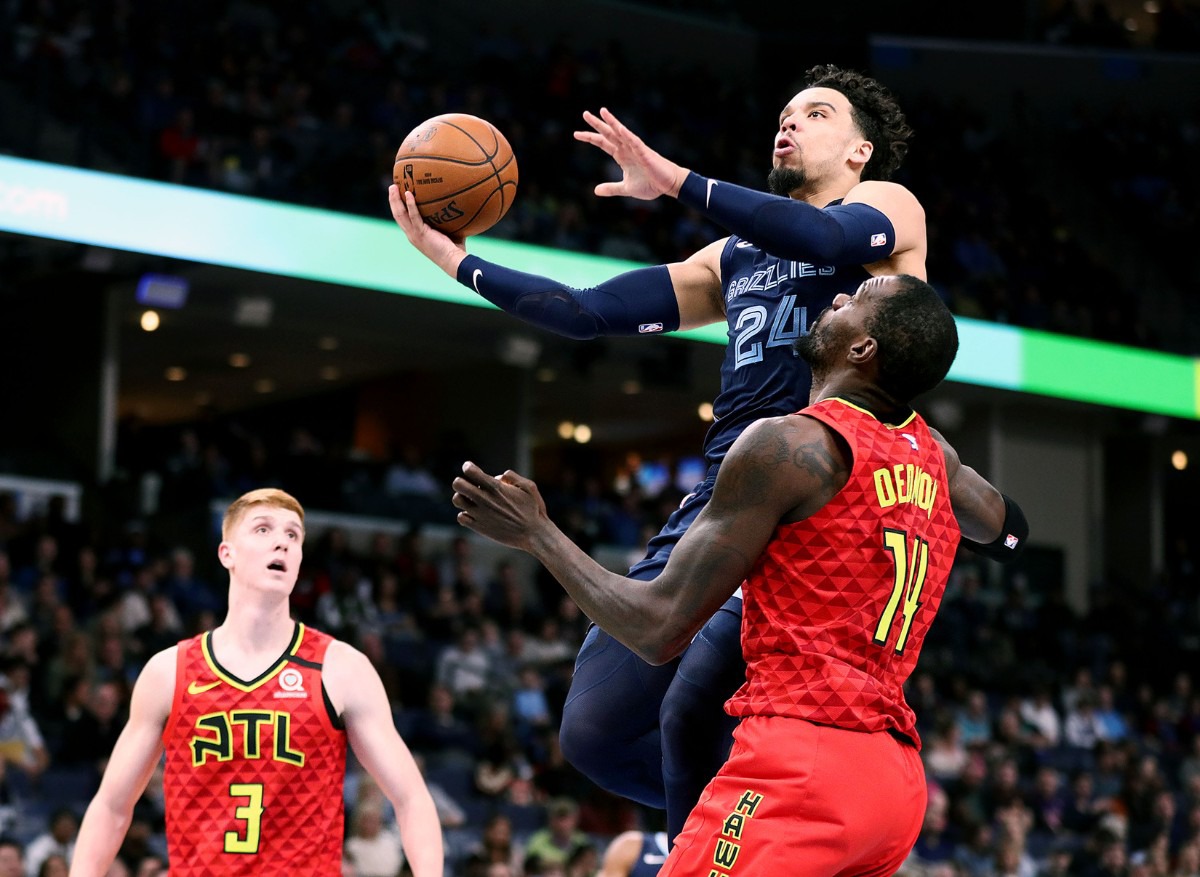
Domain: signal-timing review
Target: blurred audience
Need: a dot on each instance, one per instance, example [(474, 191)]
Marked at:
[(300, 107)]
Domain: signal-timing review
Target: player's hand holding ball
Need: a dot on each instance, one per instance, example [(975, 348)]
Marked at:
[(461, 171)]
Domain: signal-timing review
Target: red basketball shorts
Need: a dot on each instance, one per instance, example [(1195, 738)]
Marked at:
[(805, 800)]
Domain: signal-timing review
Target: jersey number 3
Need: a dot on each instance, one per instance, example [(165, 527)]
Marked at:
[(251, 812), (910, 564)]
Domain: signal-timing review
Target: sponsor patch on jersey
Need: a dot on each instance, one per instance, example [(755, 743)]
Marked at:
[(291, 683), (878, 240), (646, 328)]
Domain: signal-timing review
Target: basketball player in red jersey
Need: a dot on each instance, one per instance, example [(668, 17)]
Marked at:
[(254, 717), (840, 523)]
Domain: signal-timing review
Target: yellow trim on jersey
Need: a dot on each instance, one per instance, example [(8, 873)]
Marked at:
[(206, 648), (847, 403)]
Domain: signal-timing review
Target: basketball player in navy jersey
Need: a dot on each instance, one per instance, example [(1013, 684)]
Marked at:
[(841, 521), (656, 735)]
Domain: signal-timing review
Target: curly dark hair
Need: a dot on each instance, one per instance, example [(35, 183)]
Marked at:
[(917, 338), (876, 113)]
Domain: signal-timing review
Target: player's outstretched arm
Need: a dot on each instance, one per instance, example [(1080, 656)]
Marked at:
[(778, 467), (644, 301), (355, 686), (133, 759), (992, 524)]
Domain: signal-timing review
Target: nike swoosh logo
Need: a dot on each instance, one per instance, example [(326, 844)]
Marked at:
[(708, 195), (741, 244), (197, 688), (475, 275), (653, 859)]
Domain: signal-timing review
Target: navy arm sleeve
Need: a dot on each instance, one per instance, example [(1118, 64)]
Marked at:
[(843, 234), (638, 302)]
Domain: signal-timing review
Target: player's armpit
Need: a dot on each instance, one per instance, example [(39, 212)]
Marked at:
[(697, 282)]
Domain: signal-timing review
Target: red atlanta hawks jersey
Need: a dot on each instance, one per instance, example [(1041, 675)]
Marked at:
[(254, 769), (837, 606)]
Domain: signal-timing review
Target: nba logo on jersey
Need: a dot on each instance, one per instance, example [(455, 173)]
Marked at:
[(291, 683), (878, 240), (650, 327)]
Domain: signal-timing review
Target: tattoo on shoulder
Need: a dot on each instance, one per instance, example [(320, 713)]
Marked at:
[(774, 453), (813, 457), (823, 466)]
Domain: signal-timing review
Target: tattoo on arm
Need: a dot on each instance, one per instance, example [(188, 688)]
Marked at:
[(814, 459), (822, 471), (749, 484), (810, 470)]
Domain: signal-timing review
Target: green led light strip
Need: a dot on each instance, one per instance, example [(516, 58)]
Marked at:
[(124, 213)]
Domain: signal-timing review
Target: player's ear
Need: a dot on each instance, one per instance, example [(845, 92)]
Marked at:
[(225, 555), (863, 350), (861, 152)]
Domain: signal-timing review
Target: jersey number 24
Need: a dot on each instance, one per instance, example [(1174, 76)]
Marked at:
[(787, 325)]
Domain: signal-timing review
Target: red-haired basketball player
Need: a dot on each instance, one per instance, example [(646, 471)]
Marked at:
[(254, 717)]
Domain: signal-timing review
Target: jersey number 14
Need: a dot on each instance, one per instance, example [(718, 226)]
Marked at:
[(910, 563)]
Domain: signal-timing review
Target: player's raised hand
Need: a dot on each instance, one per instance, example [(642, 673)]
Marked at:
[(441, 249), (646, 174), (505, 508)]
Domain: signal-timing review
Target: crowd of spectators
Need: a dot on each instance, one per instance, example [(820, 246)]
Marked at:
[(308, 104)]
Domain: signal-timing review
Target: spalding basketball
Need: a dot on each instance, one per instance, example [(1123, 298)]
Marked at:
[(461, 170)]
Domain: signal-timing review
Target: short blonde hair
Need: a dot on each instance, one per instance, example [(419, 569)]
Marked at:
[(268, 496)]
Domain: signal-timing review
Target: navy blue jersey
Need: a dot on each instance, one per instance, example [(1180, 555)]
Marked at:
[(769, 302), (653, 854)]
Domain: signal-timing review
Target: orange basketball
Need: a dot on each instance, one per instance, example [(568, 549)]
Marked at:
[(462, 171)]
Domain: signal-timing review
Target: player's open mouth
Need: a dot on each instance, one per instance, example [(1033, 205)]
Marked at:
[(277, 566)]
